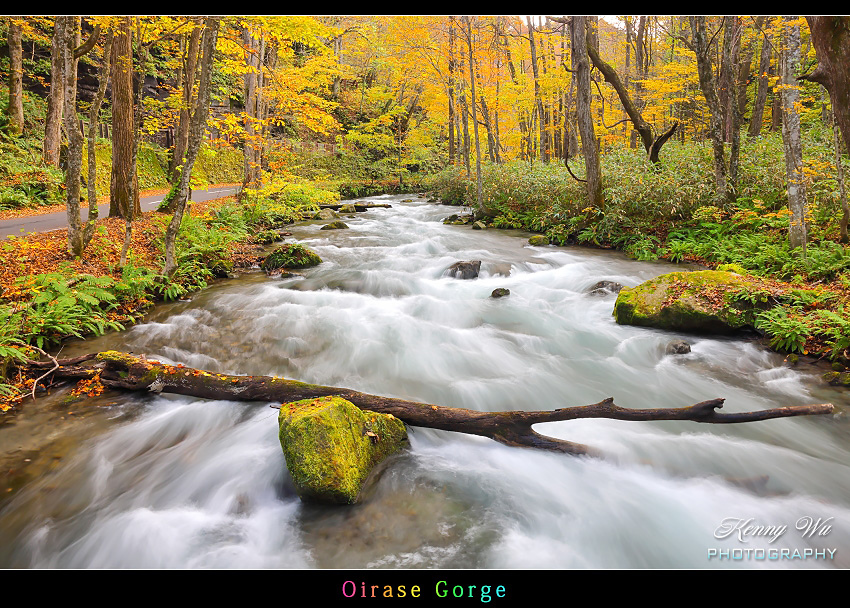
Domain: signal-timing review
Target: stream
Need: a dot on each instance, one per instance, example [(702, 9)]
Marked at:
[(162, 481)]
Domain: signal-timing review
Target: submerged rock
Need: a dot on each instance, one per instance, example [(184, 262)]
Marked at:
[(464, 270), (335, 225), (603, 288), (331, 446), (538, 239), (500, 292), (702, 301), (291, 255)]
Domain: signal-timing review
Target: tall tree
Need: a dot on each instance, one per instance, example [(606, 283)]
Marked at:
[(70, 54), (188, 71), (197, 128), (831, 39), (16, 71), (94, 122), (707, 82), (792, 142), (121, 192), (474, 105), (52, 124), (589, 145), (757, 117)]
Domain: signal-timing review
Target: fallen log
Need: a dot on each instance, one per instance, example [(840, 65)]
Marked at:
[(123, 371), (359, 207)]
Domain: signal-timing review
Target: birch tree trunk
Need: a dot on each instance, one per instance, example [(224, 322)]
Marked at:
[(792, 143)]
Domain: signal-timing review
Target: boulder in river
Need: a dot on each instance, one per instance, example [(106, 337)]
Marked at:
[(348, 208), (603, 288), (464, 270), (325, 214), (331, 446), (707, 301), (500, 292), (291, 255), (479, 225), (335, 225), (538, 239), (677, 347)]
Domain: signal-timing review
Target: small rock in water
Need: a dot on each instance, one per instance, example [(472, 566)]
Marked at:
[(603, 288), (538, 239), (336, 225), (479, 225), (500, 292), (464, 270), (677, 347)]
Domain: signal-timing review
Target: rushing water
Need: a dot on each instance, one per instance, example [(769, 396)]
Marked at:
[(176, 482)]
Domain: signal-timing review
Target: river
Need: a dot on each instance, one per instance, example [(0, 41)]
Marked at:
[(158, 481)]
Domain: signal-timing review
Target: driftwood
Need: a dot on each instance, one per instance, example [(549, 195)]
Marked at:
[(124, 371)]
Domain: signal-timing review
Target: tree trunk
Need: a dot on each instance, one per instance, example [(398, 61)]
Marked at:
[(452, 152), (831, 39), (196, 132), (732, 115), (709, 91), (52, 124), (761, 95), (842, 192), (94, 122), (589, 145), (16, 73), (791, 140), (474, 105), (544, 153), (122, 371), (75, 136), (181, 138), (121, 203)]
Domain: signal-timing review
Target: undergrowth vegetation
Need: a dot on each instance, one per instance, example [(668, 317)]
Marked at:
[(669, 212)]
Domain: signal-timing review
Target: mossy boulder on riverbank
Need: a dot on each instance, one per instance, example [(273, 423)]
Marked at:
[(331, 446), (708, 301), (291, 255)]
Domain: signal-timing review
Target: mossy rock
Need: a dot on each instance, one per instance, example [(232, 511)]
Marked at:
[(538, 239), (700, 302), (267, 237), (331, 446), (336, 225), (325, 214), (291, 255), (348, 208)]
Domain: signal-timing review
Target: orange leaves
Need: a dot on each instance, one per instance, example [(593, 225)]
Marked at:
[(91, 387)]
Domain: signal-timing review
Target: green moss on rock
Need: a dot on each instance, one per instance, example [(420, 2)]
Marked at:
[(538, 239), (291, 255), (707, 301), (331, 446)]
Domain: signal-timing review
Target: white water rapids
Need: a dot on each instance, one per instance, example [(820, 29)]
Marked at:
[(177, 482)]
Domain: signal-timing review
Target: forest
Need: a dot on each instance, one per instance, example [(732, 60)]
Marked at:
[(440, 230)]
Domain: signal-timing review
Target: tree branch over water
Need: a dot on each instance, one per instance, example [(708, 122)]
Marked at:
[(125, 371)]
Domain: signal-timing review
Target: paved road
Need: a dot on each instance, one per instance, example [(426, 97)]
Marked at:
[(53, 221)]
